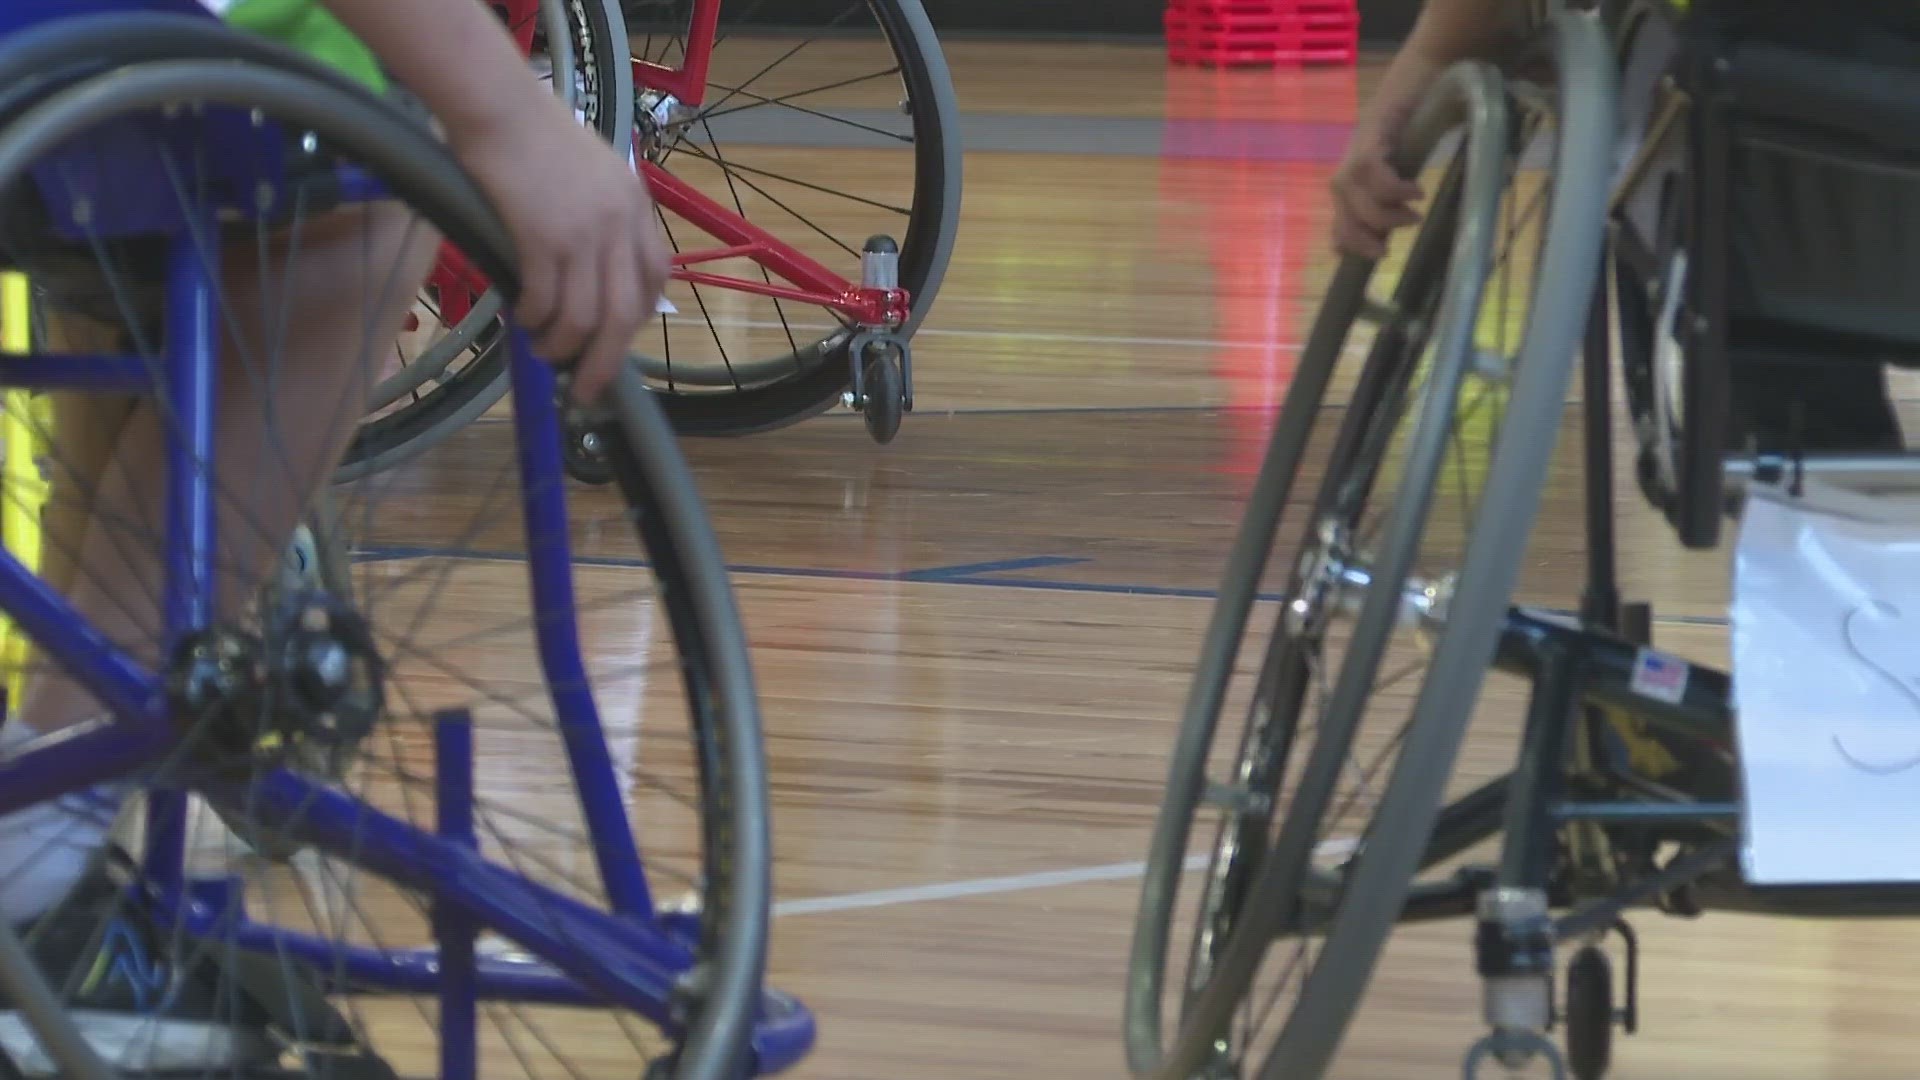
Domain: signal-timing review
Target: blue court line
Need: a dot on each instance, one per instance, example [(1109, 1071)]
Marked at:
[(979, 574), (970, 571), (974, 574), (1021, 410), (963, 572)]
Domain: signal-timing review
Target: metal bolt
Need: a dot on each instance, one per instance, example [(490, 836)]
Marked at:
[(330, 662), (1506, 904)]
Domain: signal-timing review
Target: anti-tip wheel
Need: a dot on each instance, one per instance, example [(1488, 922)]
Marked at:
[(1589, 1014), (886, 403)]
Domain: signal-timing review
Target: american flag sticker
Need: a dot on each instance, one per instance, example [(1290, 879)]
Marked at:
[(1660, 677)]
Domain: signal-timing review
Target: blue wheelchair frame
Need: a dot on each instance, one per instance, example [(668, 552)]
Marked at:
[(633, 957)]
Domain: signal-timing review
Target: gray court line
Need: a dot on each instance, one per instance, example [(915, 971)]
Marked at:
[(1047, 879), (952, 890)]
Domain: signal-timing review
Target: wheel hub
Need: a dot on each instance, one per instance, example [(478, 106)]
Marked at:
[(305, 692), (659, 121), (1321, 573), (1335, 582)]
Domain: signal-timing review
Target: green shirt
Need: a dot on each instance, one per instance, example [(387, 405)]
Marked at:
[(307, 26)]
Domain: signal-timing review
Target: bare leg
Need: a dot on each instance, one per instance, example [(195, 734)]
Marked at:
[(293, 386)]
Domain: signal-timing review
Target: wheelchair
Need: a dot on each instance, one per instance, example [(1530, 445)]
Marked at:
[(1664, 231), (799, 278), (458, 331), (461, 910)]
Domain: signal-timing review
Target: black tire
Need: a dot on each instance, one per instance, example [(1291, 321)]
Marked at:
[(1355, 907), (1242, 912), (1375, 890), (1588, 1012), (821, 372), (1642, 256), (692, 581), (886, 403)]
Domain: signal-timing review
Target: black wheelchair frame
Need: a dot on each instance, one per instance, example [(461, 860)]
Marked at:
[(1671, 849)]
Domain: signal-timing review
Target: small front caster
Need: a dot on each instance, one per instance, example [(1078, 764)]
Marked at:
[(1589, 1014), (882, 383), (882, 362), (886, 396), (584, 456)]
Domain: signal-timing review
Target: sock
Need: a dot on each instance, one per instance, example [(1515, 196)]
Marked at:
[(46, 848)]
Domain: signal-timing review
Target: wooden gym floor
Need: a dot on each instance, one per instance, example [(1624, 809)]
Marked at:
[(973, 645)]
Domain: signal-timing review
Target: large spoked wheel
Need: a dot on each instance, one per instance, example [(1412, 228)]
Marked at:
[(1432, 475), (818, 139), (1404, 329), (1646, 269), (332, 961), (450, 368)]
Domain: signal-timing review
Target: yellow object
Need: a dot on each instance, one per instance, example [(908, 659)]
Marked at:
[(23, 491)]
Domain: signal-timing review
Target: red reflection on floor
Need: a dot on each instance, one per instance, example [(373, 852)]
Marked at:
[(1244, 169)]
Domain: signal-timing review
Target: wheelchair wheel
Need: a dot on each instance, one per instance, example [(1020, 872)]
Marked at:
[(1646, 266), (875, 89), (446, 874), (1462, 389), (451, 367)]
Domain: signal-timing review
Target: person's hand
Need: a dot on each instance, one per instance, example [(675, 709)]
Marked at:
[(593, 263), (1370, 198)]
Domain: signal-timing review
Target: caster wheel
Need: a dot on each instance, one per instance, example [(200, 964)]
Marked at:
[(886, 398), (580, 455), (1589, 1014)]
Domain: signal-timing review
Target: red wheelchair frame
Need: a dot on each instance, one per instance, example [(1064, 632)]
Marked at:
[(800, 278)]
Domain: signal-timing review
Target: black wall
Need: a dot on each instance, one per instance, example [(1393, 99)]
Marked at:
[(1381, 21)]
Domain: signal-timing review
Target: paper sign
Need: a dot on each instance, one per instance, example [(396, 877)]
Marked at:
[(1826, 675)]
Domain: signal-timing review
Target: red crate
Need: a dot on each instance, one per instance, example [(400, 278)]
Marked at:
[(1252, 12), (1210, 27), (1220, 33)]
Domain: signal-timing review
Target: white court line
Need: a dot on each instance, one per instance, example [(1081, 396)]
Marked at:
[(1046, 879), (1011, 335), (949, 890)]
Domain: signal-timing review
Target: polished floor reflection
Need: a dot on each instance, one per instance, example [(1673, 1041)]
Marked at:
[(973, 644)]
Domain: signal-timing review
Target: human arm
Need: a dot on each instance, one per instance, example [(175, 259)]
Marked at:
[(592, 261), (1370, 199)]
